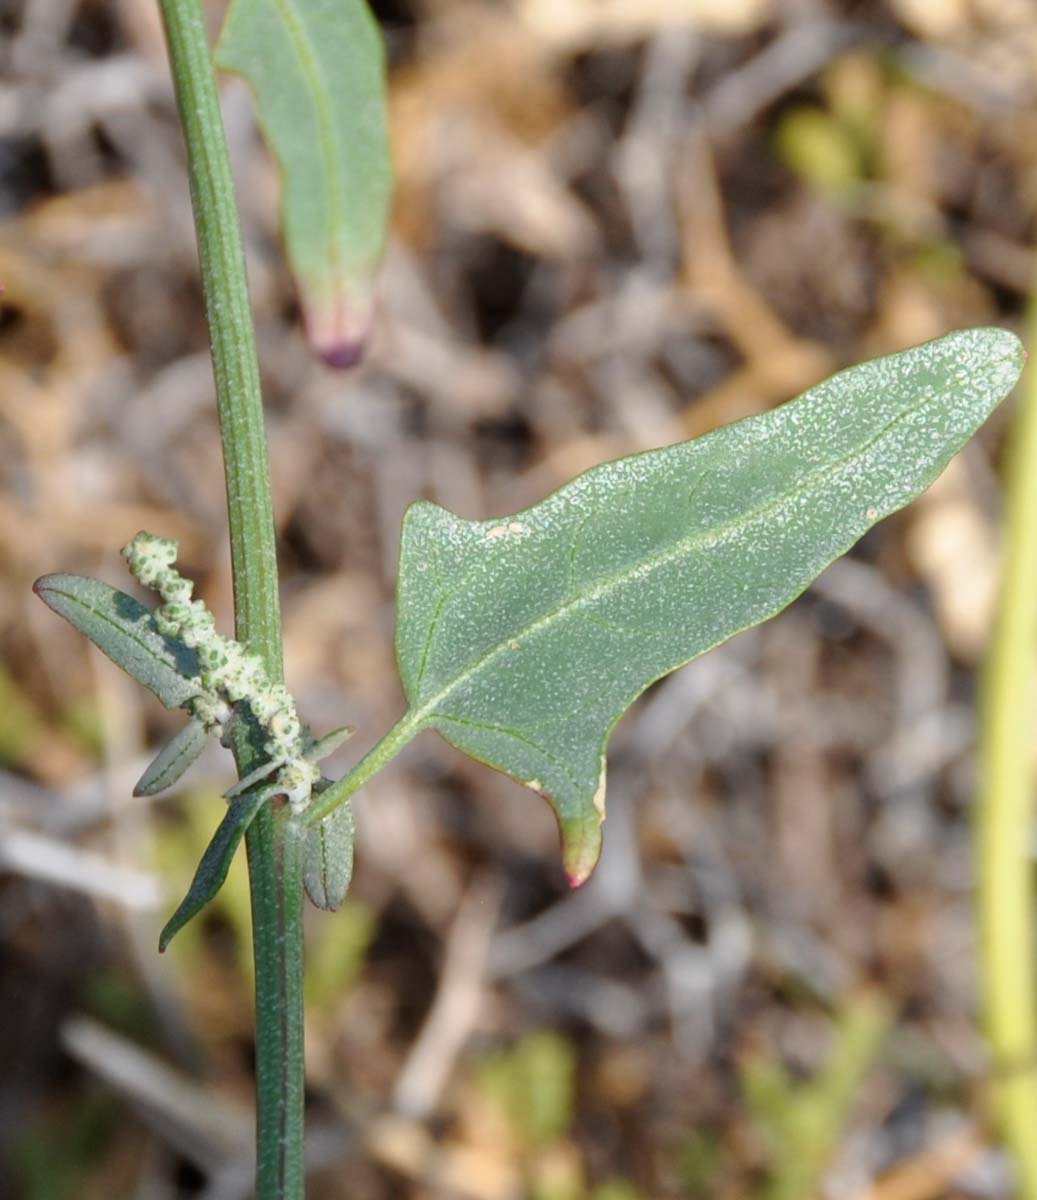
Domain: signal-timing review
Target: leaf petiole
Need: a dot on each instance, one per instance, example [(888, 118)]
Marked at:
[(399, 736)]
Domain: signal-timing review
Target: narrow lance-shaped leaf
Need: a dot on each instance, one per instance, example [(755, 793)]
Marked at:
[(173, 759), (317, 70), (523, 640), (124, 630), (252, 778), (322, 747), (215, 863), (328, 858)]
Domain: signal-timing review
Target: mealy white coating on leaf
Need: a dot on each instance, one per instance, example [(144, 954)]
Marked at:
[(173, 760), (328, 858), (126, 632), (229, 674), (523, 639)]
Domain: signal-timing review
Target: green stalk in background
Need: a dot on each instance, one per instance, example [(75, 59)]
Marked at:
[(273, 853), (1005, 811)]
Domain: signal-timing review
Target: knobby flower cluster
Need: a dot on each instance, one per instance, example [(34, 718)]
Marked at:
[(229, 675)]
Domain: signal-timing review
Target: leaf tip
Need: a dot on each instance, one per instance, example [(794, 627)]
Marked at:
[(1002, 346), (172, 927), (319, 896), (581, 849), (146, 786), (342, 355), (42, 586), (339, 328)]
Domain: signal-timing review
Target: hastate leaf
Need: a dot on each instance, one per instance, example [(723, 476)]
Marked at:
[(317, 70), (523, 640), (124, 630)]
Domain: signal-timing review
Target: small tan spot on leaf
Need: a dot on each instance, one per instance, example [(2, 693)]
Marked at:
[(599, 795)]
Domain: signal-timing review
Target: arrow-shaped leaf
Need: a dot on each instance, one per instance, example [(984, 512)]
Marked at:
[(318, 73), (328, 858), (215, 863), (173, 759), (124, 630), (523, 640)]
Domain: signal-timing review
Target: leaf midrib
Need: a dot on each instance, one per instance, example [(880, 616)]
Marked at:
[(295, 25), (427, 711), (125, 630)]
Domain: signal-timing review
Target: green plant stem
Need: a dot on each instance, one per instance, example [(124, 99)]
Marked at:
[(1005, 811), (369, 766), (272, 845)]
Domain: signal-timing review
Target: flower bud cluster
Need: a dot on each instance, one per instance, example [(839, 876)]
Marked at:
[(228, 673)]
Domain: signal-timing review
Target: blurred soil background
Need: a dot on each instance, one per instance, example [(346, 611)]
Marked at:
[(619, 223)]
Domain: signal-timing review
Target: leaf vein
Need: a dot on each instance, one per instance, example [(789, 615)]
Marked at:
[(295, 26), (681, 547), (433, 627), (128, 631), (512, 733)]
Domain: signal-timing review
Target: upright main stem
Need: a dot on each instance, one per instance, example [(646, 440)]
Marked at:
[(1006, 804), (273, 851)]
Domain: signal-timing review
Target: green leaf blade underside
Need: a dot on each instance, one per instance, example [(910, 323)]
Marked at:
[(523, 640), (328, 858), (173, 759), (317, 70), (125, 631), (215, 862)]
